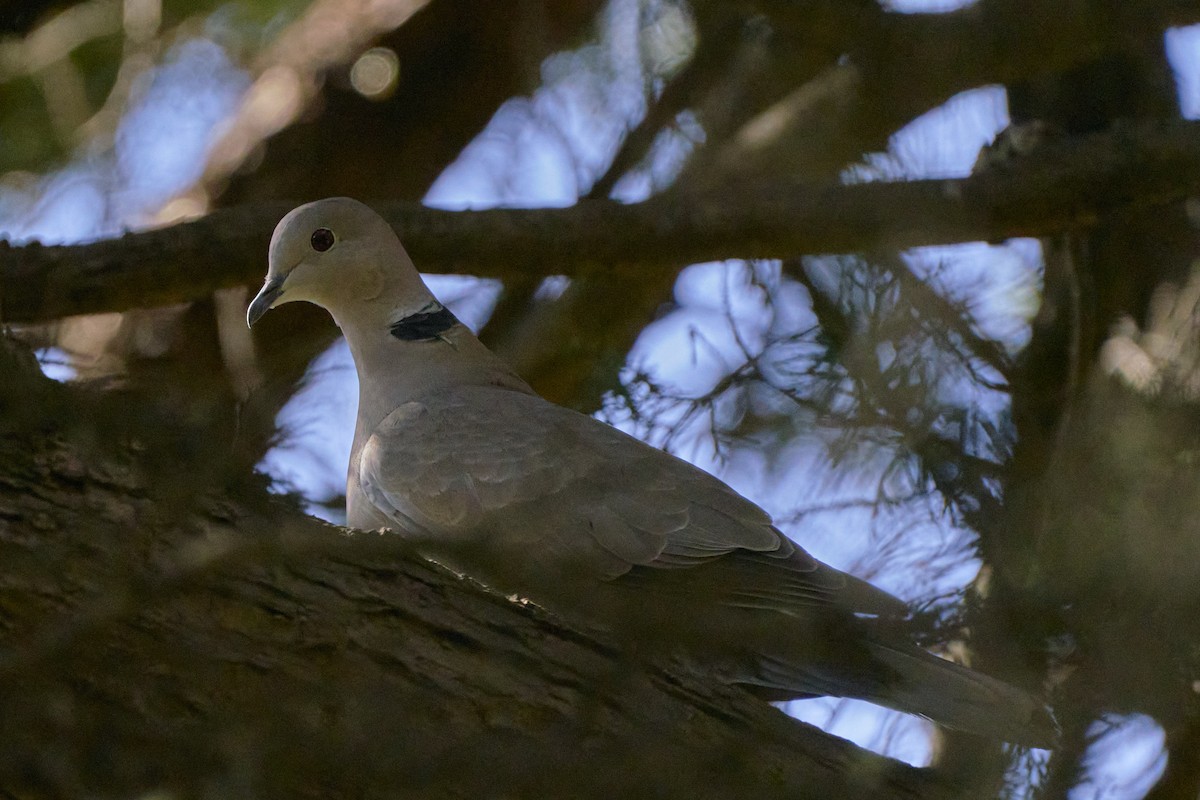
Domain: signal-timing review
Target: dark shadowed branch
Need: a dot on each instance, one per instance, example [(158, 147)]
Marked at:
[(994, 41), (168, 626), (1069, 185)]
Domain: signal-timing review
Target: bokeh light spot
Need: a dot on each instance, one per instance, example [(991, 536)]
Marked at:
[(375, 73)]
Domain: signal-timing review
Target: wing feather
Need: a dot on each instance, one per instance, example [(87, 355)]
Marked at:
[(515, 474)]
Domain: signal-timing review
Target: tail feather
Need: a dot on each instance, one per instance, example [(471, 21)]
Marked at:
[(962, 699), (908, 679)]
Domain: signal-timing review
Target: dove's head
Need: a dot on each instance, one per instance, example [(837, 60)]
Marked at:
[(341, 255)]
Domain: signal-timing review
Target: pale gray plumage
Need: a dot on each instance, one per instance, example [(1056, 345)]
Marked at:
[(455, 452)]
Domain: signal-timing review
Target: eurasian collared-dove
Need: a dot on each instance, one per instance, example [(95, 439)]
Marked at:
[(455, 452)]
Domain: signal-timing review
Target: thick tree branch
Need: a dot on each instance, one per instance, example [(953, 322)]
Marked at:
[(1069, 185), (168, 628)]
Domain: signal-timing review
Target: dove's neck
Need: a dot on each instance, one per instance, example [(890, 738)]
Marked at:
[(399, 365)]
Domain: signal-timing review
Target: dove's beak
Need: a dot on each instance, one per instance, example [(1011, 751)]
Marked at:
[(265, 299)]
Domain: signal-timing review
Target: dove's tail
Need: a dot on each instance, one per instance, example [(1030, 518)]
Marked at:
[(960, 698), (909, 679)]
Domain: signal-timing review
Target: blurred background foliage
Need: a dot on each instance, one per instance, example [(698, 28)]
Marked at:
[(1003, 432)]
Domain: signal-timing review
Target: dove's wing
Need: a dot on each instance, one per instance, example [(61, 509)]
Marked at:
[(510, 473)]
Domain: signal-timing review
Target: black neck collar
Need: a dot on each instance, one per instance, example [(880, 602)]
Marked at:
[(425, 325)]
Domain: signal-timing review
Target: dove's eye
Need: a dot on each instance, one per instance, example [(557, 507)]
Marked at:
[(322, 239)]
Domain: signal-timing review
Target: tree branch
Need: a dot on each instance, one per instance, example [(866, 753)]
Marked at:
[(167, 628), (904, 64), (1068, 185), (995, 41)]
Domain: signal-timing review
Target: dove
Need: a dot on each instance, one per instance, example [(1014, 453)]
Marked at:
[(454, 452)]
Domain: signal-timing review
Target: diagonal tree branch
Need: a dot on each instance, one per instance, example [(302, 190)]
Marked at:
[(170, 628)]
